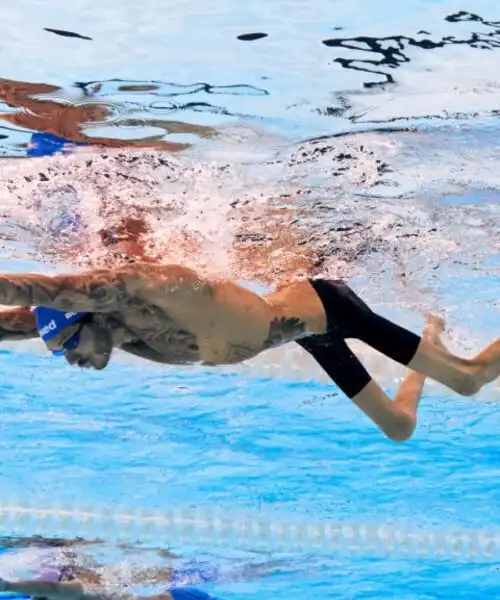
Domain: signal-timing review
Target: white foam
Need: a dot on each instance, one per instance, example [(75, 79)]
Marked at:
[(407, 247)]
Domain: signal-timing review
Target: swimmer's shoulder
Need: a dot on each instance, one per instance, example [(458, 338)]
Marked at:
[(164, 283), (151, 272)]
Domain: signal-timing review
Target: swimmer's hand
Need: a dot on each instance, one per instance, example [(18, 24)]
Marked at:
[(53, 590), (17, 324)]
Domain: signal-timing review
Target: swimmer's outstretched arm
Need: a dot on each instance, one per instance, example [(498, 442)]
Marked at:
[(102, 291), (99, 291), (17, 324), (71, 590), (54, 590)]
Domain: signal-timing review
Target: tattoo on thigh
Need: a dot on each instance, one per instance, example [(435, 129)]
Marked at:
[(239, 353), (283, 330)]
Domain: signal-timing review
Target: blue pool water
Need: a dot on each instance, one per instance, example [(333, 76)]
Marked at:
[(139, 438), (143, 438)]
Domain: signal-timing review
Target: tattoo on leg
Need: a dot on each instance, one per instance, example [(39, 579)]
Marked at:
[(283, 330)]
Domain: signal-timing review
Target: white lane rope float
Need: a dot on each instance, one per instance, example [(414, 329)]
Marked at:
[(252, 531)]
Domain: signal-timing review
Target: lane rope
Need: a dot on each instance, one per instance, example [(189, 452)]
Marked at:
[(252, 531)]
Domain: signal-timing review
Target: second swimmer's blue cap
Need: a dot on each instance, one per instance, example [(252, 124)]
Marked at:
[(51, 322), (189, 593)]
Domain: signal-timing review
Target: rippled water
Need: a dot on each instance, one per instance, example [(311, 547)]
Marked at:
[(370, 130)]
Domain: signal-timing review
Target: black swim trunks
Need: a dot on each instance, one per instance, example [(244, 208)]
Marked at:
[(348, 317)]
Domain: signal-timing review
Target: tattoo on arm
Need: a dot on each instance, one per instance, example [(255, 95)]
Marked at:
[(47, 589), (101, 291), (283, 330)]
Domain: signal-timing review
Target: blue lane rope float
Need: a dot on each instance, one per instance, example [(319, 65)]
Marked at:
[(253, 531)]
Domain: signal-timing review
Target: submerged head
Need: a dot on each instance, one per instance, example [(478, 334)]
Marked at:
[(76, 336), (49, 575), (63, 572)]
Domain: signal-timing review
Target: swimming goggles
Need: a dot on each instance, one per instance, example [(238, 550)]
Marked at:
[(71, 343)]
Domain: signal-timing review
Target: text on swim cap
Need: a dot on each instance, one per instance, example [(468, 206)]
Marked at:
[(51, 325)]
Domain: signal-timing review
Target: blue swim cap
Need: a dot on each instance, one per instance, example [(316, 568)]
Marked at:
[(50, 321), (189, 593), (47, 144)]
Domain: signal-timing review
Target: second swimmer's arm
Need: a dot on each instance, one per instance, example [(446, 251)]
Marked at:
[(71, 590)]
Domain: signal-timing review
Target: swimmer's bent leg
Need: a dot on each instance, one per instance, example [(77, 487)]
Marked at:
[(349, 317), (398, 418), (427, 354)]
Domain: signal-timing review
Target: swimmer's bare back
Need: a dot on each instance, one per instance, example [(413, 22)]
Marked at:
[(170, 314)]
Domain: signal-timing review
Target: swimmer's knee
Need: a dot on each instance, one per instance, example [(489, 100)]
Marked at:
[(401, 428)]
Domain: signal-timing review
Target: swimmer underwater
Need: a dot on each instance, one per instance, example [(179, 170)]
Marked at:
[(62, 584), (169, 314), (67, 578), (64, 573)]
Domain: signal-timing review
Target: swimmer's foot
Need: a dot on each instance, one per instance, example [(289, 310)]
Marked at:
[(486, 365), (484, 368), (434, 328), (466, 376)]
